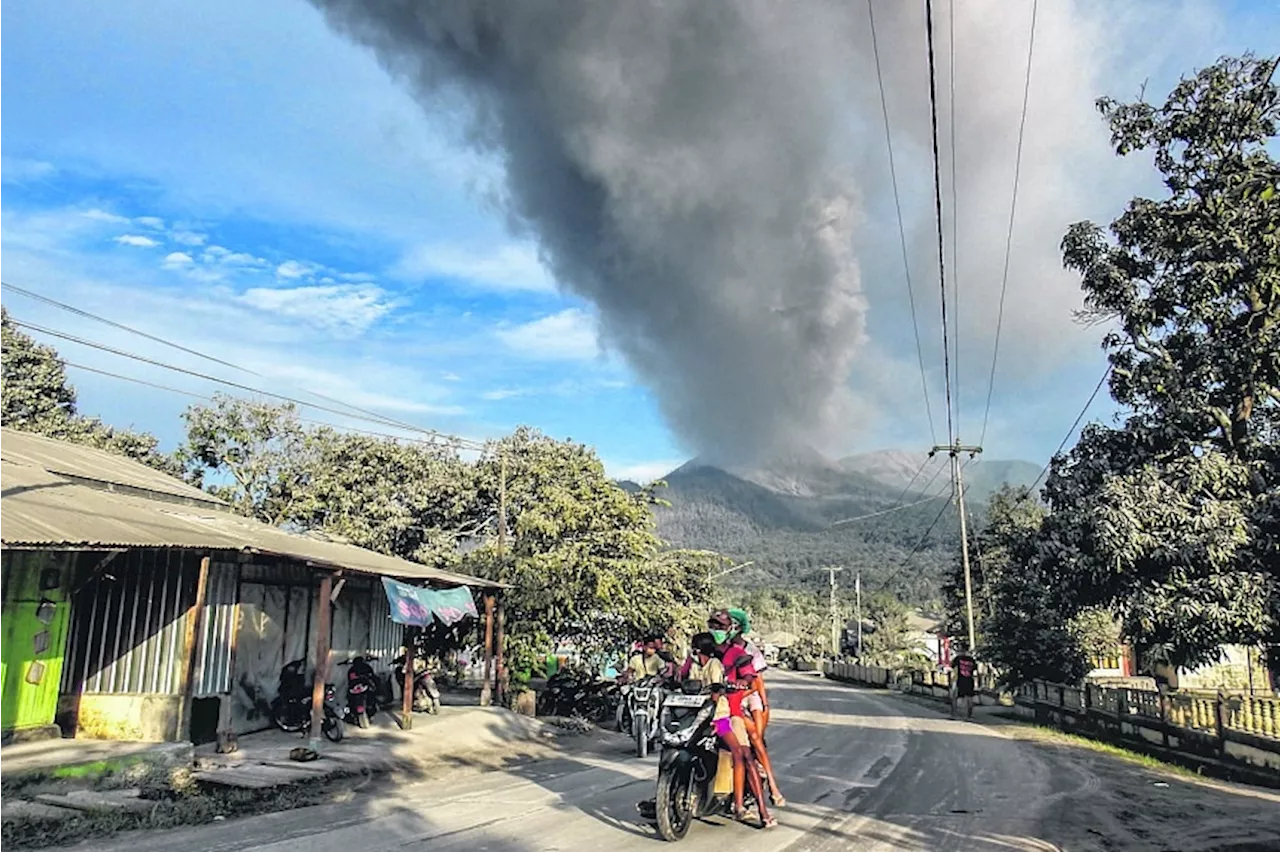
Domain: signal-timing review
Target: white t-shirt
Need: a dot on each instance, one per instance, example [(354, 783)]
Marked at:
[(757, 658)]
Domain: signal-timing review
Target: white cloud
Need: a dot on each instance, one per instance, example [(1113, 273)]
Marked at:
[(451, 377), (136, 241), (345, 308), (20, 170), (506, 268), (642, 472), (188, 238), (504, 393), (150, 222), (103, 216), (293, 269), (567, 336), (178, 260)]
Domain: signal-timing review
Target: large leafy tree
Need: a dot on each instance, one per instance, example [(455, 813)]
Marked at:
[(581, 553), (254, 455), (1171, 518), (1025, 622), (38, 398)]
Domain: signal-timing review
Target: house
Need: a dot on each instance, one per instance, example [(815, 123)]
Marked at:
[(138, 607)]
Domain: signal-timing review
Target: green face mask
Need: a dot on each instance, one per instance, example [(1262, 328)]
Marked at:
[(721, 636)]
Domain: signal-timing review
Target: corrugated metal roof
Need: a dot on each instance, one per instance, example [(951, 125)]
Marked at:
[(80, 462), (41, 508)]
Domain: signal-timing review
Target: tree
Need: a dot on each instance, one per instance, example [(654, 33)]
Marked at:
[(1023, 620), (37, 398), (412, 499), (1171, 518), (259, 447), (583, 559)]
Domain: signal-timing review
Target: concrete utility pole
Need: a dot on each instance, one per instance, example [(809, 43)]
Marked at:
[(957, 478), (857, 585), (835, 625)]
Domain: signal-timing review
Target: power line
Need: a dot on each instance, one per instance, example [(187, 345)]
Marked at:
[(200, 396), (919, 544), (902, 231), (955, 206), (886, 511), (1071, 431), (937, 200), (178, 346), (1013, 209), (122, 353)]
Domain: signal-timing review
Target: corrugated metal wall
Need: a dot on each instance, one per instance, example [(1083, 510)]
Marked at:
[(386, 638), (217, 631), (129, 622)]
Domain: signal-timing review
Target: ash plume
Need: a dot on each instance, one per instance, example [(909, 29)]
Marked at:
[(711, 175), (675, 162)]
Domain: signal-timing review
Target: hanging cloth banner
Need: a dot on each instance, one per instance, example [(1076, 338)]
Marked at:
[(452, 605), (415, 605)]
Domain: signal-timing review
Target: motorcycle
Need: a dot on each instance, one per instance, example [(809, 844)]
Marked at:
[(576, 693), (426, 696), (695, 774), (644, 705), (291, 708), (362, 691)]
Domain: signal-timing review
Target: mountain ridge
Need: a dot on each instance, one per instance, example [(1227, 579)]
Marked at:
[(783, 514)]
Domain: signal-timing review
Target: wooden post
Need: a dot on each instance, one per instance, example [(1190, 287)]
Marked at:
[(499, 672), (407, 684), (322, 659), (486, 693), (1220, 722), (195, 615)]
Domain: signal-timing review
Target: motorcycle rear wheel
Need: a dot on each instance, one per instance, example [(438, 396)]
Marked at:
[(280, 718), (674, 805)]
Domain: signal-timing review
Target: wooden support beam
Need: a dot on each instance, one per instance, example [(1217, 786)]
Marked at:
[(486, 691), (195, 615), (410, 634), (322, 659), (499, 671)]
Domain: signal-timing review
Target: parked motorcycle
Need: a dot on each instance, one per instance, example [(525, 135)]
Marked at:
[(695, 775), (362, 691), (577, 693), (426, 696), (644, 705), (291, 708)]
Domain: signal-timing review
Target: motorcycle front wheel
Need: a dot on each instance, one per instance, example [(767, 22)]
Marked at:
[(674, 805), (333, 729), (641, 726)]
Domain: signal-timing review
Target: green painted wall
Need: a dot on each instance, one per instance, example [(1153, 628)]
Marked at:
[(36, 612)]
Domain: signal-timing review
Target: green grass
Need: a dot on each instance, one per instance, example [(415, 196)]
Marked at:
[(1110, 749)]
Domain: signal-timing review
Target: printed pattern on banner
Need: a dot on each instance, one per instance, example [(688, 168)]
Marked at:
[(416, 606)]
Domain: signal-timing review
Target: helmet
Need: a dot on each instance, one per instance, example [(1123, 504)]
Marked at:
[(742, 620)]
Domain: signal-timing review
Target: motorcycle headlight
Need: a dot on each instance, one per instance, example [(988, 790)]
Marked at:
[(682, 737)]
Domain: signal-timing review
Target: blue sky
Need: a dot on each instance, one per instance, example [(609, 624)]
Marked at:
[(240, 179)]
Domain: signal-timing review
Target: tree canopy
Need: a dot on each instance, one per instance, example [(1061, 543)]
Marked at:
[(38, 398)]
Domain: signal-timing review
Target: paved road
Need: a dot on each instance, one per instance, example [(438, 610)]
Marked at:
[(861, 769)]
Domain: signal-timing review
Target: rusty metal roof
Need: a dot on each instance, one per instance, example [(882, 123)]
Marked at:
[(63, 496)]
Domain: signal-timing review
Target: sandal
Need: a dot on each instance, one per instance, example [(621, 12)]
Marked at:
[(771, 822), (780, 801)]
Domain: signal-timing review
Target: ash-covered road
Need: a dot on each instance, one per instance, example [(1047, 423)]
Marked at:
[(860, 769)]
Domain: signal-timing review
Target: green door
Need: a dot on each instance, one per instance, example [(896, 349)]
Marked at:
[(34, 631)]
